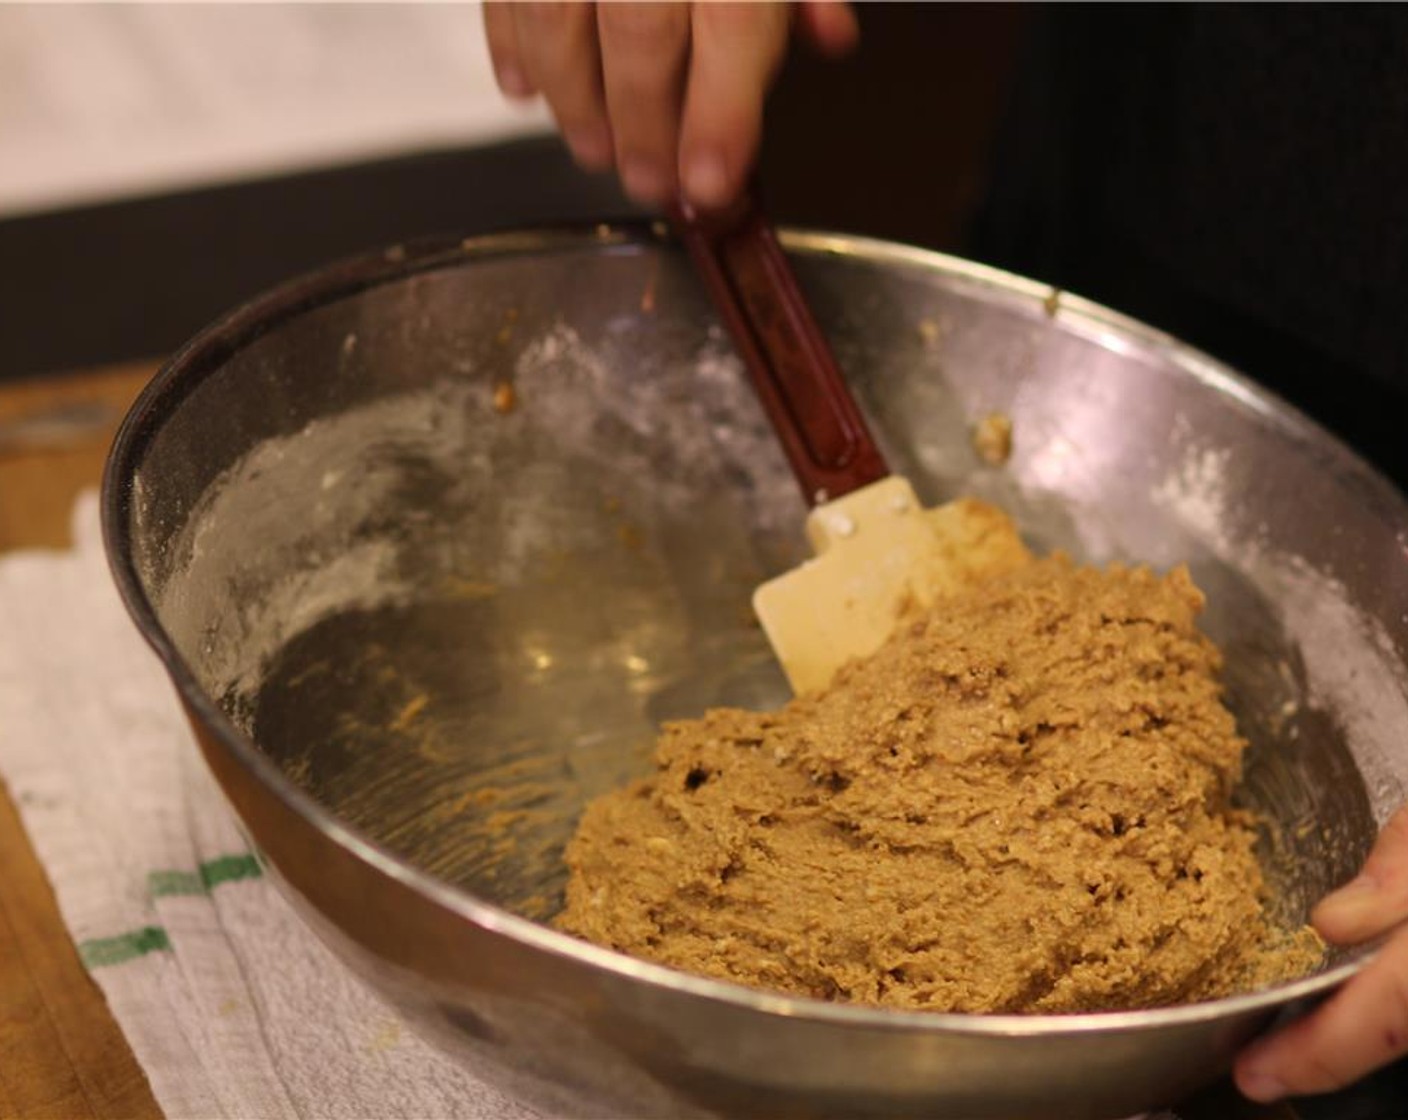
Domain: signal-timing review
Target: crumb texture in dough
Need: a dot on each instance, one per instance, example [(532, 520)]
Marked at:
[(1020, 803)]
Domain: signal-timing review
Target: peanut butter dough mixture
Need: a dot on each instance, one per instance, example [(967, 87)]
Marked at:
[(1019, 804)]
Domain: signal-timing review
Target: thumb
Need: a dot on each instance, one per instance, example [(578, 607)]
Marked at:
[(1378, 899)]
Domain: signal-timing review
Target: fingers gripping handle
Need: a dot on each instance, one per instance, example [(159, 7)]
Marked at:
[(796, 377)]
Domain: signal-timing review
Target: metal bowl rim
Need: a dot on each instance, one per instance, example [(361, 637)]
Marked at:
[(208, 349)]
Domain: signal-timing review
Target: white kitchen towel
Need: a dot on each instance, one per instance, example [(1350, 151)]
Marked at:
[(232, 1006)]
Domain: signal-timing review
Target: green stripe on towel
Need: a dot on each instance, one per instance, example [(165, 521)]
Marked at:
[(224, 869), (103, 951), (228, 869)]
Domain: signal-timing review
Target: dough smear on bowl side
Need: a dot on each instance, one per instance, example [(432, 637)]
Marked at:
[(1020, 803)]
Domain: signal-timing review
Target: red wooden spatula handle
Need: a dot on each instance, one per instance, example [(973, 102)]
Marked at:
[(755, 292)]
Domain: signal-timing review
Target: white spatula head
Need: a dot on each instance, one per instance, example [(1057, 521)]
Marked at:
[(878, 553)]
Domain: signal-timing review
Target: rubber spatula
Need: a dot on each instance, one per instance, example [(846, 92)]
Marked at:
[(876, 548)]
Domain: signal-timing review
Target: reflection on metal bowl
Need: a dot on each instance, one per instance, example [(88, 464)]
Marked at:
[(430, 542)]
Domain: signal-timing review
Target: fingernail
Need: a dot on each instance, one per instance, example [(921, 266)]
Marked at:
[(1260, 1087), (513, 81), (706, 179), (591, 147), (643, 181)]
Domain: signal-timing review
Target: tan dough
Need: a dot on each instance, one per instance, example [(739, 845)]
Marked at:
[(1019, 804)]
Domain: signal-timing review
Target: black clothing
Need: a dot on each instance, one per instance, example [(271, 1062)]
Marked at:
[(1236, 175)]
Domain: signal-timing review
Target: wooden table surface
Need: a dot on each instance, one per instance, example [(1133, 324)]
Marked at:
[(62, 1055)]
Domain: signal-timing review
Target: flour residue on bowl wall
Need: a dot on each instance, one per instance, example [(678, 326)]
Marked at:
[(1321, 767), (401, 601), (1352, 667), (1196, 492), (665, 426)]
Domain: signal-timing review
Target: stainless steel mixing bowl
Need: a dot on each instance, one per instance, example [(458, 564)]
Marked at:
[(431, 541)]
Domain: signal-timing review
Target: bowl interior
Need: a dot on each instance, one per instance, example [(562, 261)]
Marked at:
[(449, 541)]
